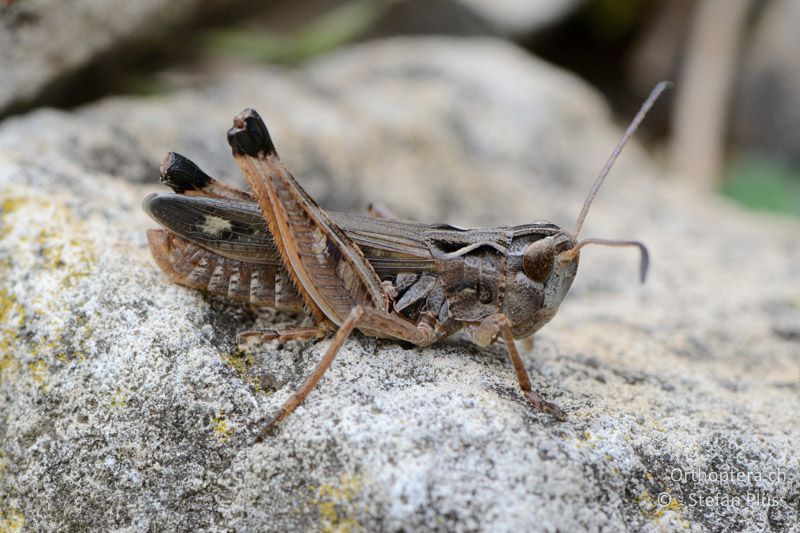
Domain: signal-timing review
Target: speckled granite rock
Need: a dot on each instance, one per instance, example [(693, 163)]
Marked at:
[(125, 405)]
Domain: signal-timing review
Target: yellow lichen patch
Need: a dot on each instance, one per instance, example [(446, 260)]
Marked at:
[(8, 206), (241, 364), (337, 504), (47, 347), (71, 255), (47, 252), (38, 370), (222, 428), (118, 399), (11, 521), (655, 510), (672, 506), (8, 364), (12, 203), (45, 237), (12, 317), (645, 502), (587, 438)]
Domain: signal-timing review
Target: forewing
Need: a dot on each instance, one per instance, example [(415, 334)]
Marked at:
[(236, 229)]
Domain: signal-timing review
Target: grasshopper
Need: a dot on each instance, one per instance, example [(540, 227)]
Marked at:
[(388, 278)]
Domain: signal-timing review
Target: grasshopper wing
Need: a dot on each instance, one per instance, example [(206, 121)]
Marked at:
[(327, 268), (236, 229)]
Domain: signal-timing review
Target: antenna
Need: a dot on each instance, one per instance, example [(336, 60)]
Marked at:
[(654, 94), (570, 254)]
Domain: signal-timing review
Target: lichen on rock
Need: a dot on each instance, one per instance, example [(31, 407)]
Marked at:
[(46, 252)]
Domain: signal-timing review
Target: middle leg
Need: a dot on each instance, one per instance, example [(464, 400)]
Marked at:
[(281, 335), (486, 332)]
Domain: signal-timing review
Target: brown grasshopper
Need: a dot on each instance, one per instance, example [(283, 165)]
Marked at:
[(388, 278)]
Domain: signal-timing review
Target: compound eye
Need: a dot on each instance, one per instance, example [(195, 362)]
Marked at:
[(537, 261)]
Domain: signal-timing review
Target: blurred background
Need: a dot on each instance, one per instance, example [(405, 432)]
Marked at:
[(730, 126)]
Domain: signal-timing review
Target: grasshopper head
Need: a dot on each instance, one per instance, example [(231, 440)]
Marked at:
[(538, 281), (543, 258), (543, 261)]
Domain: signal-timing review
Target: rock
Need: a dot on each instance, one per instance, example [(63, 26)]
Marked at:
[(39, 50), (766, 109), (44, 41), (125, 404)]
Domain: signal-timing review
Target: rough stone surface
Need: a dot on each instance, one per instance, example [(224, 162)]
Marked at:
[(42, 41), (125, 405)]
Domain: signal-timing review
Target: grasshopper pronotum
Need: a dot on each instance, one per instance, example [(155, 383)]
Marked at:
[(389, 278)]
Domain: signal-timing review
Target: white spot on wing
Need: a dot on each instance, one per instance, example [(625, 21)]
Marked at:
[(214, 225)]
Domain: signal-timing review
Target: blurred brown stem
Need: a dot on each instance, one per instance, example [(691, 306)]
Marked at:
[(704, 89)]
